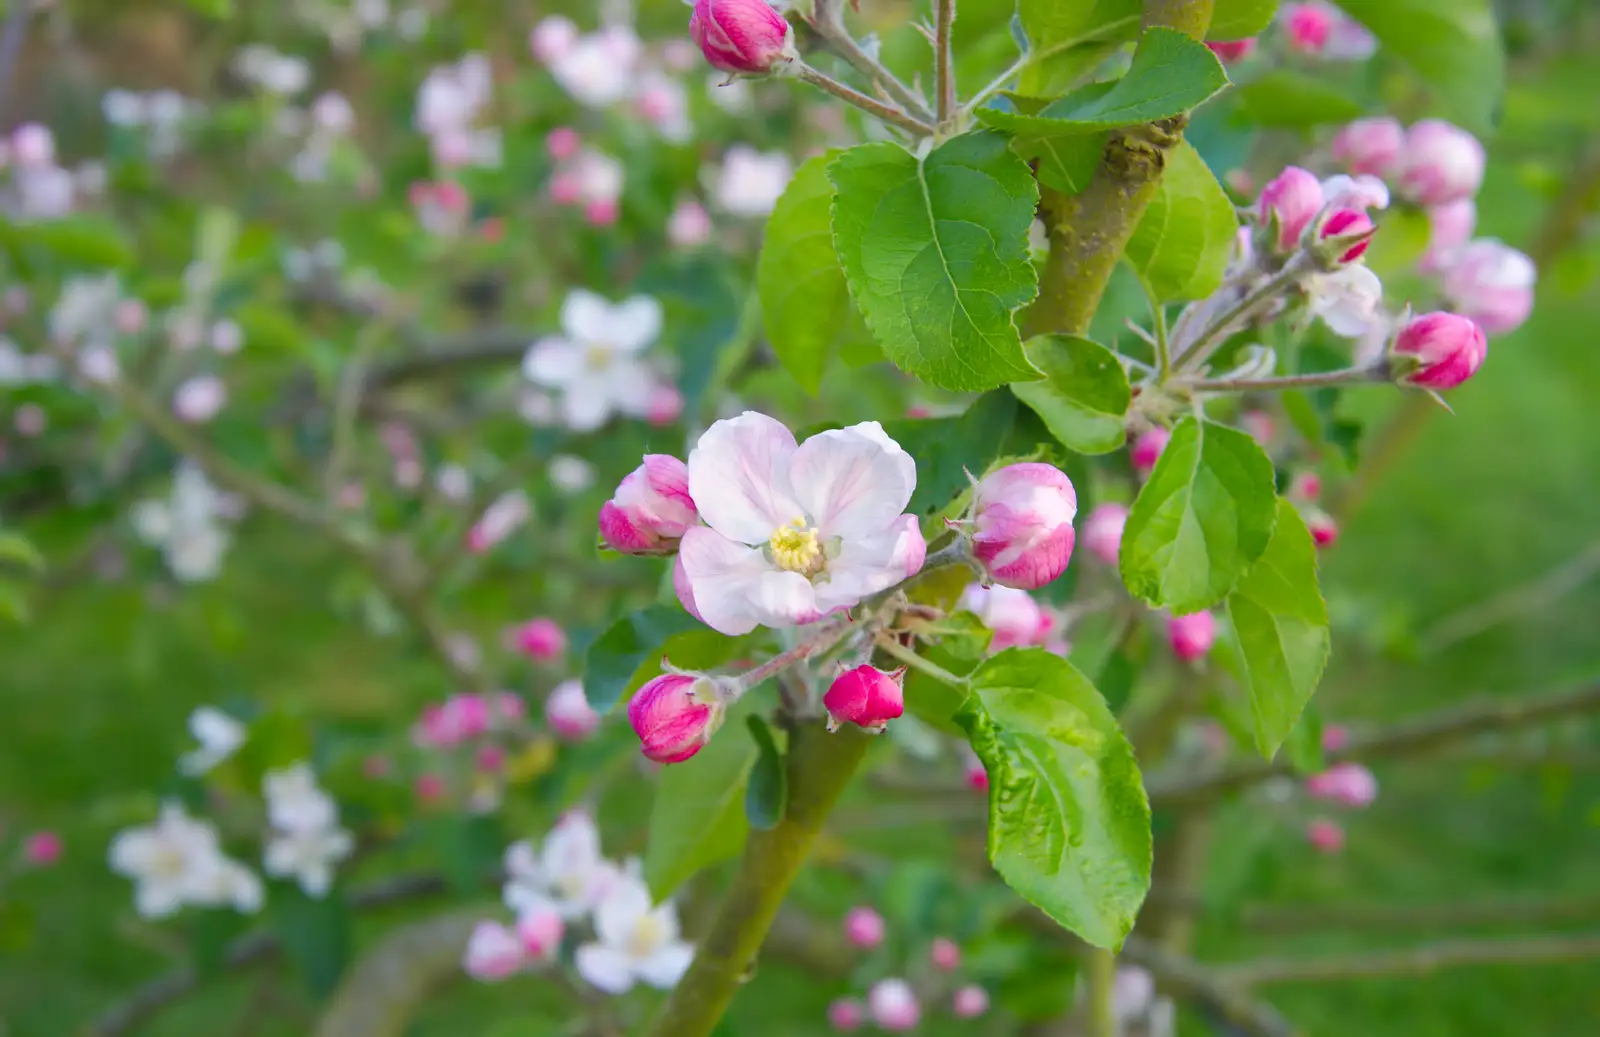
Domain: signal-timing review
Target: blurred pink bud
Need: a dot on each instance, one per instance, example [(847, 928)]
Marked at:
[(1292, 198), (566, 189), (430, 788), (651, 509), (33, 146), (945, 955), (1102, 531), (864, 927), (690, 224), (452, 147), (541, 639), (684, 589), (894, 1005), (1325, 836), (1260, 426), (199, 399), (1492, 284), (1335, 737), (602, 212), (1192, 636), (493, 953), (1349, 784), (1369, 145), (552, 38), (1324, 530), (498, 521), (846, 1016), (1014, 616), (1450, 226), (42, 849), (1022, 531), (568, 712), (1305, 485), (1347, 224), (1147, 449), (472, 715), (741, 36), (509, 708), (1231, 52), (1440, 163), (977, 777), (866, 697), (674, 715), (540, 932), (1438, 351), (970, 1002), (664, 405), (130, 316), (490, 758), (562, 142), (1308, 25)]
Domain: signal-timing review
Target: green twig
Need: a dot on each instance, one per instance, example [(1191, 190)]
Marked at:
[(889, 114), (944, 61), (1101, 972), (889, 646), (1316, 379), (829, 24)]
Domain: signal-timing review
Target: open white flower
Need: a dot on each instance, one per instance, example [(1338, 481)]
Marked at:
[(796, 532), (635, 942), (178, 861), (598, 70), (308, 856), (186, 526), (219, 736), (295, 802), (596, 363), (750, 182), (567, 874), (1348, 299)]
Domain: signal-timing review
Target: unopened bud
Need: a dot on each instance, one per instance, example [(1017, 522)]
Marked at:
[(540, 639), (42, 849), (1102, 531), (568, 712), (745, 37), (1289, 203), (1370, 145), (1343, 237), (866, 697), (674, 715), (846, 1016), (1022, 531), (1231, 52), (1192, 636), (651, 509), (864, 927), (1349, 784), (493, 953), (1325, 836), (1440, 163), (1437, 351), (540, 932), (945, 955), (1492, 283), (894, 1005), (1324, 530), (1146, 450), (970, 1002)]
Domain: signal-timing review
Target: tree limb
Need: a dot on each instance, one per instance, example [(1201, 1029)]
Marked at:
[(1186, 979), (1414, 961)]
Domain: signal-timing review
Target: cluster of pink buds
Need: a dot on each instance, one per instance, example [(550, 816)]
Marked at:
[(893, 1004), (1318, 29), (1295, 206), (1016, 617), (466, 717)]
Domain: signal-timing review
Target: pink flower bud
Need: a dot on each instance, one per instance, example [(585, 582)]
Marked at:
[(1438, 351), (1349, 784), (601, 212), (664, 405), (977, 777), (199, 399), (1335, 737), (970, 1002), (33, 146), (1192, 636), (568, 712), (1102, 531), (945, 955), (540, 931), (1369, 145), (690, 224), (1346, 224), (1231, 52), (1324, 530), (1292, 200), (566, 189), (866, 697), (540, 639), (1491, 283), (490, 758), (846, 1016), (1440, 163), (741, 36), (376, 767), (430, 788), (1305, 485), (685, 591), (562, 142), (1325, 836), (1260, 426), (1147, 449), (651, 509), (509, 708), (552, 38), (674, 715), (493, 953), (894, 1005), (1022, 524), (42, 849), (1450, 226), (1308, 26), (864, 927), (499, 520)]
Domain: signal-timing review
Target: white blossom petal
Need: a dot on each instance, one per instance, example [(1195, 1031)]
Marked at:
[(739, 477), (723, 575), (554, 362), (605, 968), (666, 966), (852, 482), (586, 317), (634, 324)]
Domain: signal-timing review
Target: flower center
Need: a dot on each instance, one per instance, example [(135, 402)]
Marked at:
[(795, 548), (647, 936), (597, 357)]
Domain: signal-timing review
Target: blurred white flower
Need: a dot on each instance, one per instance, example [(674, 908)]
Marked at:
[(85, 312), (635, 942), (186, 526), (734, 97), (598, 69), (453, 482), (596, 363), (750, 181), (19, 368), (1348, 300), (306, 840), (276, 73), (219, 735), (567, 874), (571, 475), (295, 802), (199, 399), (178, 861)]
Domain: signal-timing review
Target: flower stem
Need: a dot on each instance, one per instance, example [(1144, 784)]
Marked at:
[(1208, 341), (1344, 376), (1101, 973), (995, 86), (889, 114), (820, 766), (816, 644), (944, 61), (829, 24), (889, 646)]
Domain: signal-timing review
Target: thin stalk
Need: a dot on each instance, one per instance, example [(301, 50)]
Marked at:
[(830, 27), (814, 645), (889, 646), (1101, 973), (1158, 320), (944, 61), (995, 86), (1317, 379), (1197, 353), (894, 116)]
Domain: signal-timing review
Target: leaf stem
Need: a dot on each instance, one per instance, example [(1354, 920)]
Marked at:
[(1102, 975), (944, 61), (1196, 353), (889, 114), (889, 646), (1316, 379), (829, 24), (995, 86)]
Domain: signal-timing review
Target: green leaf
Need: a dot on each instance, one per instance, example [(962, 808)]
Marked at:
[(936, 253), (1304, 744), (1084, 397), (945, 449), (1281, 625), (1069, 822), (959, 642), (1202, 519), (1069, 38), (1286, 98), (78, 240), (1065, 161), (630, 644), (14, 602), (804, 298), (767, 796), (1236, 19), (14, 547), (1171, 74), (1453, 45), (316, 936), (699, 814), (1180, 248)]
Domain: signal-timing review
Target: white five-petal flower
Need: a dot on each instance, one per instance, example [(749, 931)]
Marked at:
[(1348, 300), (567, 874), (306, 840), (636, 941), (596, 363), (795, 532), (219, 736), (178, 861)]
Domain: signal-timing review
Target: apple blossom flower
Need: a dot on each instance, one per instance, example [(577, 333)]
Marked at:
[(1492, 284), (541, 639), (1022, 517), (1289, 202), (452, 96), (1347, 300), (570, 474), (864, 927), (42, 849), (1440, 163), (675, 714), (635, 941), (689, 225), (1349, 784), (665, 405), (894, 1005), (1324, 530), (795, 532), (540, 931), (552, 38), (568, 712), (504, 516), (742, 37), (308, 855), (219, 735), (178, 861), (750, 182), (663, 102), (1369, 146), (1147, 449), (599, 69), (684, 589), (30, 420), (846, 1016), (1320, 29), (944, 954), (651, 510), (595, 363), (1231, 52), (493, 953), (1102, 531), (1437, 351), (567, 874), (1014, 615), (1362, 191), (186, 526), (865, 696), (199, 399), (1192, 636), (969, 1002), (1325, 836), (295, 801)]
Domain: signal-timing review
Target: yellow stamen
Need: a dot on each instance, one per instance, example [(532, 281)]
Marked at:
[(597, 357), (796, 549)]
